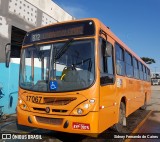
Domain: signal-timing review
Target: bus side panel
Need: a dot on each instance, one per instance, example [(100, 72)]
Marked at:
[(130, 92), (108, 114), (140, 94), (148, 90), (134, 95)]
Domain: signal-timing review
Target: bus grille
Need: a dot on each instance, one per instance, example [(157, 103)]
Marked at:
[(53, 110), (58, 100), (52, 121)]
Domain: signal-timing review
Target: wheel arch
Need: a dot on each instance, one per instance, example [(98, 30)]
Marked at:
[(123, 99)]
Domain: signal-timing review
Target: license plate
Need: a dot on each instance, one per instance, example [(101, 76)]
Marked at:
[(82, 126)]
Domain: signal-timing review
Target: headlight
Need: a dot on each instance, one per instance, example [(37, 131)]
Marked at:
[(84, 108), (22, 104)]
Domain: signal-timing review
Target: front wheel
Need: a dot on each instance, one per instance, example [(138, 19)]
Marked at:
[(121, 125)]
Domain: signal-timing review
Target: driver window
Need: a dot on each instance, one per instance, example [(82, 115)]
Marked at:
[(107, 61)]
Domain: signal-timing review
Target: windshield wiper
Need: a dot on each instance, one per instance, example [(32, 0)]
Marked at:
[(63, 49), (55, 55)]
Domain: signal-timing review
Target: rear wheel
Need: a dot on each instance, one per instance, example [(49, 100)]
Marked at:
[(121, 125), (144, 107)]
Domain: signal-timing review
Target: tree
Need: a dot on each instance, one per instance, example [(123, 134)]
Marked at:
[(148, 60)]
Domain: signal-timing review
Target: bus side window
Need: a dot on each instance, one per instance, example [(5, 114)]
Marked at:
[(140, 70), (135, 64), (120, 66), (148, 75), (129, 64), (108, 61), (107, 71), (144, 73)]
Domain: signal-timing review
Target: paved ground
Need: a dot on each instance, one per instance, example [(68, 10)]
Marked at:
[(133, 120)]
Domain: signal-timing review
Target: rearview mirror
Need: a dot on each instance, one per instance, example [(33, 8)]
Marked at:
[(7, 53), (107, 52)]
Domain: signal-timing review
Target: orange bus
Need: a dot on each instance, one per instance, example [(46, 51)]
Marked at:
[(78, 77)]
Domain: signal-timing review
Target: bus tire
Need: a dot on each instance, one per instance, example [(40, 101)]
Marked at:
[(119, 127), (144, 107)]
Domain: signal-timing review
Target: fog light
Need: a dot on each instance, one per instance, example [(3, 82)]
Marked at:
[(79, 111)]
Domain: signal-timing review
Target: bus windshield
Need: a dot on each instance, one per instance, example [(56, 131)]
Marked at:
[(70, 64)]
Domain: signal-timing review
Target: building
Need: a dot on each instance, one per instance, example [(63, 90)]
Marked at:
[(16, 18)]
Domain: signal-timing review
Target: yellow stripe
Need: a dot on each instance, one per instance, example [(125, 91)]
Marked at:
[(137, 128)]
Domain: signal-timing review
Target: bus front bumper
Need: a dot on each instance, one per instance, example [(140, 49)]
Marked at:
[(86, 125)]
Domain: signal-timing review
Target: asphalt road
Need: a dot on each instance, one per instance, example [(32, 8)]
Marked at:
[(49, 136)]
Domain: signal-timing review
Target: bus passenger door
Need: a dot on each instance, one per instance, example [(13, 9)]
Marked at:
[(107, 111)]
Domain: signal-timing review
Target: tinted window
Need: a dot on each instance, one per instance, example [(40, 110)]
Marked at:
[(140, 70), (107, 61), (107, 65), (120, 65), (128, 58), (129, 66), (136, 71), (148, 75), (144, 73)]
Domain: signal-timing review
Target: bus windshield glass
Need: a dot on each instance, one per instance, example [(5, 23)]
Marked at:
[(69, 65)]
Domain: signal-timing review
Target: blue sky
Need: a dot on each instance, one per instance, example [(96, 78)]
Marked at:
[(135, 22)]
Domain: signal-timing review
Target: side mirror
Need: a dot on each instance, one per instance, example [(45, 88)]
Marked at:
[(7, 53), (107, 52)]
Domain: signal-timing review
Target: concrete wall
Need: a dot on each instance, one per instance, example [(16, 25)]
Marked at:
[(51, 8)]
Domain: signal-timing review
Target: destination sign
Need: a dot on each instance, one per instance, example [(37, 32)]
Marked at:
[(60, 31)]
